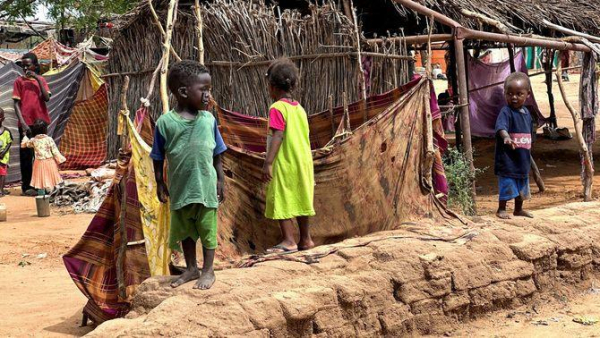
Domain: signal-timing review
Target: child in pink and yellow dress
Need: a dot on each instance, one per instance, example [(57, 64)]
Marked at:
[(47, 158)]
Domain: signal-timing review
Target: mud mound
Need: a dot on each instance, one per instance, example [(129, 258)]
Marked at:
[(390, 286)]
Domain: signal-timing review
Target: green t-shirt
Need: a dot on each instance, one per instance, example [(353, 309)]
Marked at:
[(189, 147), (5, 140)]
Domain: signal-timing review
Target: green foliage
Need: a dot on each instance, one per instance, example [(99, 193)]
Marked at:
[(78, 14), (460, 181)]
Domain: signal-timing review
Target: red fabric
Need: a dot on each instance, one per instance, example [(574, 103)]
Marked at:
[(276, 120), (33, 106), (3, 169)]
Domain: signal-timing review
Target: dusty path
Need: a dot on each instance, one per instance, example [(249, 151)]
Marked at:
[(38, 299)]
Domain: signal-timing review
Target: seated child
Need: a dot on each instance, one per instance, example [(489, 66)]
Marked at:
[(188, 138), (513, 146)]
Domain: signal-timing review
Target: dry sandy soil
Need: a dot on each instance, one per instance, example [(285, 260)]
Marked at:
[(39, 299)]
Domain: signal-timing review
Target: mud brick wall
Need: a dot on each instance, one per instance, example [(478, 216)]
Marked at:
[(389, 287)]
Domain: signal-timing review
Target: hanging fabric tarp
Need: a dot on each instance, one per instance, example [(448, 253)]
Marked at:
[(485, 104), (63, 86), (92, 262), (154, 215), (378, 164), (84, 140)]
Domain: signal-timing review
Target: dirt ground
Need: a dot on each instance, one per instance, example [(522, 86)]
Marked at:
[(39, 299), (551, 316)]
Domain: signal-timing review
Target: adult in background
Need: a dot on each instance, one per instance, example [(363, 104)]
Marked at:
[(30, 94)]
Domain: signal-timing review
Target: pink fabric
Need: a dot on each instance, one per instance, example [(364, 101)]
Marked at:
[(292, 102), (485, 104), (276, 120)]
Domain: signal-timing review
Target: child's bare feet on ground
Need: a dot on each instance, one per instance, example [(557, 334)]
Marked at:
[(206, 280), (306, 245), (502, 214), (186, 276), (523, 213)]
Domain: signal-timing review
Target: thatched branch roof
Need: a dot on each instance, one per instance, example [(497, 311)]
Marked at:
[(526, 15), (521, 15)]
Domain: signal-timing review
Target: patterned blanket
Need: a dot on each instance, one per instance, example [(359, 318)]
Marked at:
[(84, 140)]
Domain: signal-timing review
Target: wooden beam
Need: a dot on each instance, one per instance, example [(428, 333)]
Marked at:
[(164, 94), (588, 169), (121, 283), (570, 31), (463, 101)]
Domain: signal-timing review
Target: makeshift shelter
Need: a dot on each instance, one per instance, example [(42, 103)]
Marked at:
[(78, 113), (375, 160), (382, 141), (325, 46), (63, 86)]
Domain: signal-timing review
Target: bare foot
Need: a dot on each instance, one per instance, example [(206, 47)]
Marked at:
[(502, 214), (523, 213), (186, 276), (206, 280), (307, 245)]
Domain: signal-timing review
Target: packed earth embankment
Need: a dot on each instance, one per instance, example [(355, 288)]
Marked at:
[(422, 278)]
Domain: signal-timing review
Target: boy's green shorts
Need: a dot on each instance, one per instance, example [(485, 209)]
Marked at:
[(196, 222)]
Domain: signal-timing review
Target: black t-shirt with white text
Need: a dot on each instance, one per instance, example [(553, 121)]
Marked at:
[(513, 163)]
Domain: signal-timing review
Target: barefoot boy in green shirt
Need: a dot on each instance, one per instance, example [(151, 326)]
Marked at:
[(189, 139)]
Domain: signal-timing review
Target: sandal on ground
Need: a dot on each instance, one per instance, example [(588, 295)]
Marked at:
[(280, 249), (30, 192)]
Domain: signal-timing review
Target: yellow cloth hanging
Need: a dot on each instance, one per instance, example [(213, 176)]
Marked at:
[(155, 215)]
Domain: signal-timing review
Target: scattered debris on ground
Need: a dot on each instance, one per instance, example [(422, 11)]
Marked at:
[(84, 197)]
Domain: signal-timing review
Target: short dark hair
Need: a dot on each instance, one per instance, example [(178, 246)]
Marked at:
[(517, 76), (39, 127), (183, 72), (283, 74), (34, 60)]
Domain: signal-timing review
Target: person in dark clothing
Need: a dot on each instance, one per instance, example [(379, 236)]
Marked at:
[(513, 146)]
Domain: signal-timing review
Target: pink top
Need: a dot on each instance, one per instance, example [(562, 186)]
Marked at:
[(276, 120)]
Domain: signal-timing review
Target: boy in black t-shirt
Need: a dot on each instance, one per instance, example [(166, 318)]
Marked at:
[(513, 146)]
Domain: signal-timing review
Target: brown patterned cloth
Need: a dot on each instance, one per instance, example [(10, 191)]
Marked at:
[(84, 140)]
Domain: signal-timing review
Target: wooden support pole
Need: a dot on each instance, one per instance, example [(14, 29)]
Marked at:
[(164, 94), (536, 175), (511, 57), (200, 31), (454, 78), (121, 284), (463, 101), (588, 169), (548, 66), (331, 115), (161, 29), (361, 71), (430, 150)]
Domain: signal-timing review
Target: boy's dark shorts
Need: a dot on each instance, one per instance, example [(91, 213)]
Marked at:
[(511, 188)]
